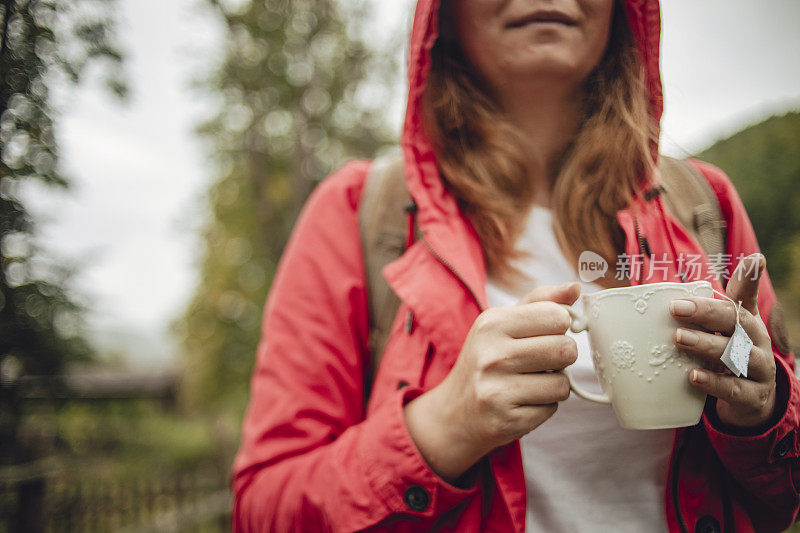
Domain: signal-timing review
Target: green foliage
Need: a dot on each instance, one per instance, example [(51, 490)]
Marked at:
[(131, 437), (116, 463), (42, 42), (763, 163), (298, 97)]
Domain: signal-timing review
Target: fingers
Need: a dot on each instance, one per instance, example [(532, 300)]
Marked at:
[(538, 388), (563, 294), (539, 354), (709, 348), (705, 347), (727, 388), (514, 405), (533, 416), (525, 320), (749, 396), (538, 313), (743, 283), (717, 315)]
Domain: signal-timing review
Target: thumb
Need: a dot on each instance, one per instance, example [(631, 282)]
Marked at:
[(566, 293), (743, 283)]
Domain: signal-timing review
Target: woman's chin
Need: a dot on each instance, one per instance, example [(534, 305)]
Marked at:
[(547, 70)]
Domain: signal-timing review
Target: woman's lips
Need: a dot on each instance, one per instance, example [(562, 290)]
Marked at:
[(556, 17)]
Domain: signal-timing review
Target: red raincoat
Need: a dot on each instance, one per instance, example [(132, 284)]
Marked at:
[(311, 459)]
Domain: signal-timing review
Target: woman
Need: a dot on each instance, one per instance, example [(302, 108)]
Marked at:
[(529, 124)]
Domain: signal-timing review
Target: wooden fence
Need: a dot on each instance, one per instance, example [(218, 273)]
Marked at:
[(57, 501), (45, 495)]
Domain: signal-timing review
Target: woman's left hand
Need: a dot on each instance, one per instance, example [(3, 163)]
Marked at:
[(741, 401)]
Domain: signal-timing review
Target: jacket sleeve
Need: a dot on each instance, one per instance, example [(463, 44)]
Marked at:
[(763, 461), (308, 460)]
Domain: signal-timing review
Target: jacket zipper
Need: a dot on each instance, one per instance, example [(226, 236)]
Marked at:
[(639, 238), (449, 267), (639, 241)]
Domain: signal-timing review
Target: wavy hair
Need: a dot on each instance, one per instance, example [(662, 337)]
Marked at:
[(480, 157)]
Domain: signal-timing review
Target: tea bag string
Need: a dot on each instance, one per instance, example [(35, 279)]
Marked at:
[(737, 352), (736, 306)]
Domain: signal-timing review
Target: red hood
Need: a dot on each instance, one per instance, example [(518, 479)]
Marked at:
[(438, 215), (423, 179)]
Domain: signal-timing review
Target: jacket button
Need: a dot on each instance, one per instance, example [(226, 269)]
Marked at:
[(707, 524), (784, 445), (417, 498), (402, 384)]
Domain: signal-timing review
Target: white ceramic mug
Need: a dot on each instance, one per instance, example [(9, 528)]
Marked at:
[(643, 374)]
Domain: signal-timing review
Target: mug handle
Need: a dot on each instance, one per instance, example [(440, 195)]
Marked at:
[(579, 323)]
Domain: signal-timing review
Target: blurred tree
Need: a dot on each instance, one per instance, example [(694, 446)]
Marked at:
[(43, 44), (763, 163), (300, 93)]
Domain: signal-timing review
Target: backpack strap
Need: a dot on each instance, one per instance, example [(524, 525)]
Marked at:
[(383, 223), (691, 199)]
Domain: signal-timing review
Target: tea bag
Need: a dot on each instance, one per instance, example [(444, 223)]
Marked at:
[(737, 353)]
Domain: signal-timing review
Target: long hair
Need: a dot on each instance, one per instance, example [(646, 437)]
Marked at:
[(480, 158)]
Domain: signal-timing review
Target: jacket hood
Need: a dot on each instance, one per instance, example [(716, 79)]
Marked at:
[(424, 182), (438, 214)]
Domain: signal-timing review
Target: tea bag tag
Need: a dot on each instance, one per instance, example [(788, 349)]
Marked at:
[(737, 353)]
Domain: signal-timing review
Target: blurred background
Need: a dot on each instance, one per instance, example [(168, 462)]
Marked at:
[(154, 156)]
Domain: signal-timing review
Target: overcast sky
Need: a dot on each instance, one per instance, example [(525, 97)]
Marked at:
[(140, 173)]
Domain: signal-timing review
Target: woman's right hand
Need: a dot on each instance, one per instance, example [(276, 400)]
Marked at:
[(503, 384)]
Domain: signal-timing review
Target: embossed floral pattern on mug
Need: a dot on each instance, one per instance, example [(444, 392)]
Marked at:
[(640, 302), (661, 354), (622, 355)]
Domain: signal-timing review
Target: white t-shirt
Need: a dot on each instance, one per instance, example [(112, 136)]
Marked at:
[(583, 472)]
